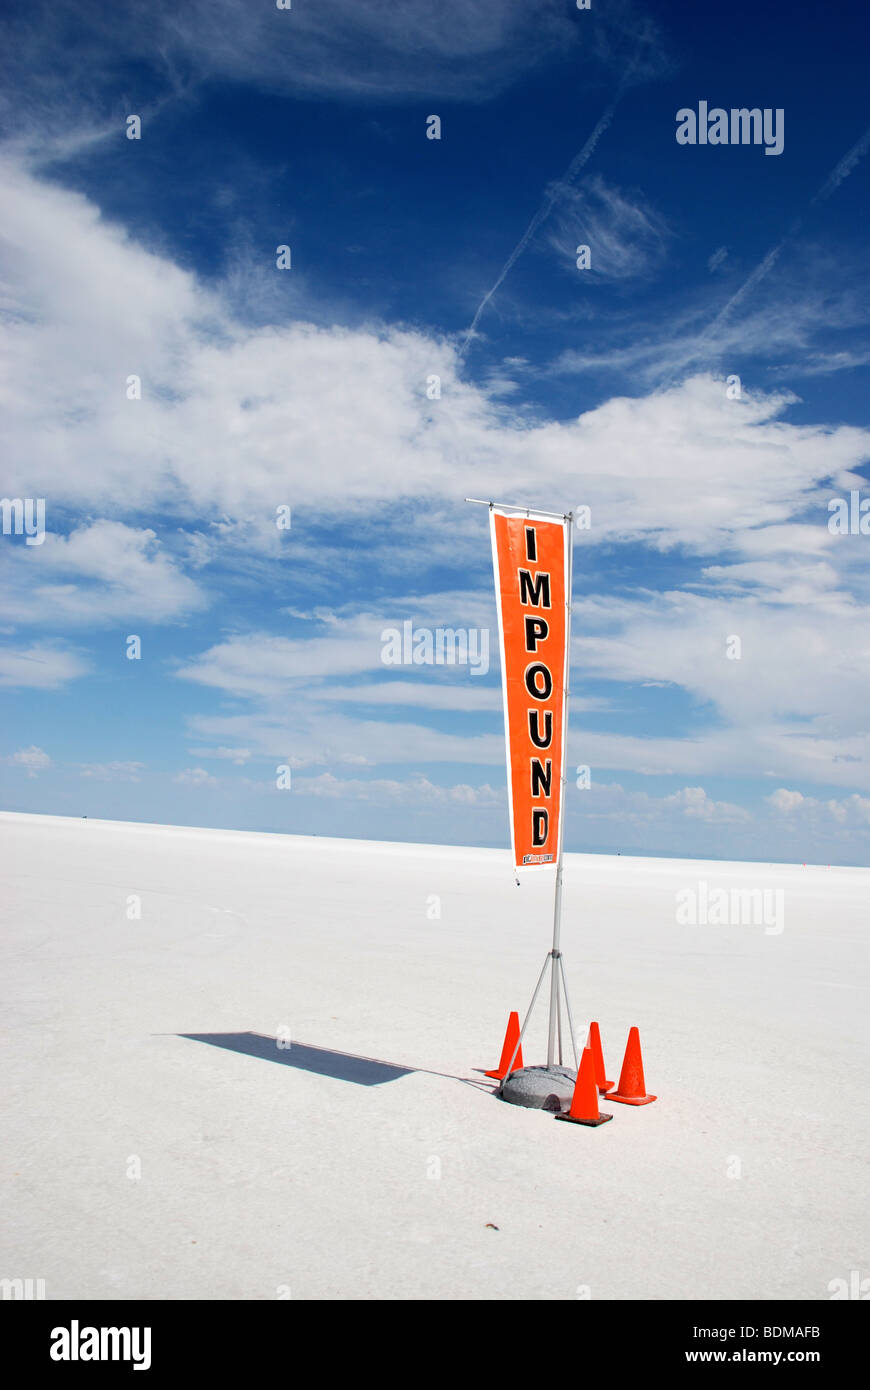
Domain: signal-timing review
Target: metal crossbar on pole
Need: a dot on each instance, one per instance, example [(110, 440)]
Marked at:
[(516, 507)]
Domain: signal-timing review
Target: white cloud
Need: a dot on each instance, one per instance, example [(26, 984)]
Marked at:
[(764, 707), (263, 665), (293, 686), (33, 759), (788, 670), (796, 540), (611, 801), (351, 642), (332, 418), (348, 408), (195, 777), (792, 581), (39, 667), (860, 805), (695, 803), (415, 791), (101, 572), (239, 756), (422, 694), (111, 772), (786, 801), (303, 735), (853, 810)]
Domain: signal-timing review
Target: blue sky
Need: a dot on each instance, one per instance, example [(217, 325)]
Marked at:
[(310, 388)]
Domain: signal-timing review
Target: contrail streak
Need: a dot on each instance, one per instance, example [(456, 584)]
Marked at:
[(844, 168), (554, 194), (543, 213), (841, 171)]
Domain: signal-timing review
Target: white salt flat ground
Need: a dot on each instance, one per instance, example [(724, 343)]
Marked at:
[(258, 1177)]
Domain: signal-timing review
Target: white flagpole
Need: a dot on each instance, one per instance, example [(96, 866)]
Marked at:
[(555, 954)]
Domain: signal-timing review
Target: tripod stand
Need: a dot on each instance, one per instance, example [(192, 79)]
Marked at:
[(558, 991)]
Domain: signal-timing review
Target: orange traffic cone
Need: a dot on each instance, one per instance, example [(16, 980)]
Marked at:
[(632, 1087), (584, 1102), (511, 1038), (594, 1041)]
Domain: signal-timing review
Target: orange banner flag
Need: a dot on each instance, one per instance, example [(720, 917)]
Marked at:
[(532, 587)]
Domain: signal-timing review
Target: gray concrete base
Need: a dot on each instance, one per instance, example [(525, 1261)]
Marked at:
[(539, 1088)]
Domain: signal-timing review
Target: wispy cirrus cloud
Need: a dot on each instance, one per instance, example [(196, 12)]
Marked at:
[(339, 49), (39, 666), (625, 234), (809, 325)]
